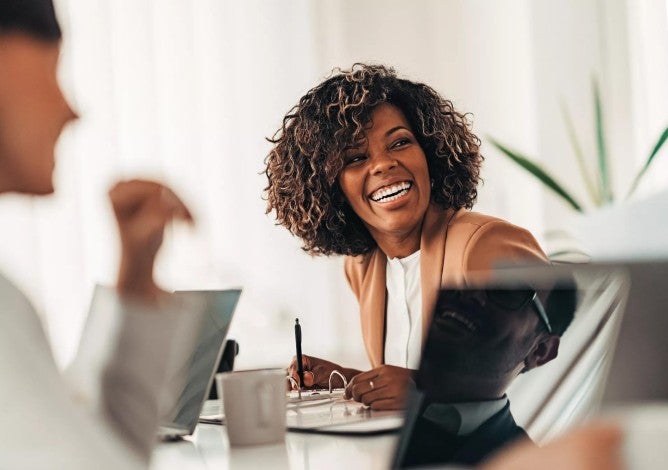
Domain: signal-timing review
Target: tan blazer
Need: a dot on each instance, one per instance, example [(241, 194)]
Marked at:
[(453, 245)]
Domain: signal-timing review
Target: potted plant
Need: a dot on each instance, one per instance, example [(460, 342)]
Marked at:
[(598, 184)]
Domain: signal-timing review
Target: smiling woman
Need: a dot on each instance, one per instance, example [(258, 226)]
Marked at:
[(382, 170)]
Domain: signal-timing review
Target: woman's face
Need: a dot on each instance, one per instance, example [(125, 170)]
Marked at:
[(385, 179)]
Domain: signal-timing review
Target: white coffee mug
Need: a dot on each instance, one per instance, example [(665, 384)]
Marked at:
[(255, 406)]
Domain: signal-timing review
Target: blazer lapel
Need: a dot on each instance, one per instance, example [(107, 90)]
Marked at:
[(372, 306), (432, 255)]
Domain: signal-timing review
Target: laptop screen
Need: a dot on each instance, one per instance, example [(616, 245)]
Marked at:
[(517, 358), (219, 307)]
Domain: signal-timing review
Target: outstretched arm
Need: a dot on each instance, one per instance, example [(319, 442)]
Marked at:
[(137, 337)]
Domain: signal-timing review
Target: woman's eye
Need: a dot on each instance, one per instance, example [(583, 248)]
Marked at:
[(401, 142), (354, 159)]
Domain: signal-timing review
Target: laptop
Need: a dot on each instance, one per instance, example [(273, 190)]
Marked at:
[(467, 336), (218, 311), (637, 355)]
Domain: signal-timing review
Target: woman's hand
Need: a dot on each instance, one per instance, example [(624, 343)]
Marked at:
[(317, 372), (382, 388), (142, 209)]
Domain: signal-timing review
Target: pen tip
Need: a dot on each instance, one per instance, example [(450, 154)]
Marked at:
[(297, 321)]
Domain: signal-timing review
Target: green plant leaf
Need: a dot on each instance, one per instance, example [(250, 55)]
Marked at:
[(604, 174), (594, 194), (641, 173), (538, 172)]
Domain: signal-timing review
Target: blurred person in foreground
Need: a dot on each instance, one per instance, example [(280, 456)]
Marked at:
[(595, 446), (46, 422), (383, 171)]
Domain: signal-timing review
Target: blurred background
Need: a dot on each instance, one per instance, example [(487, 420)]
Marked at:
[(186, 91)]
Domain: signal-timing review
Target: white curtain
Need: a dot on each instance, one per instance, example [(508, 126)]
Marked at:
[(648, 76), (186, 91)]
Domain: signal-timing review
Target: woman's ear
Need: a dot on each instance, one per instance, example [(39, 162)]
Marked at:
[(543, 352)]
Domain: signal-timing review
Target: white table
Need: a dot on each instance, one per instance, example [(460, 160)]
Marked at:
[(646, 428), (208, 448)]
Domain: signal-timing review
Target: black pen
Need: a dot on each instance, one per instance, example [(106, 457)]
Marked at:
[(298, 345)]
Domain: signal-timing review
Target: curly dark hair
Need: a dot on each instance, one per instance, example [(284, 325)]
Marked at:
[(303, 166)]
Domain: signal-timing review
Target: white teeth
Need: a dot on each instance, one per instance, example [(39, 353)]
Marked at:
[(392, 192), (470, 325)]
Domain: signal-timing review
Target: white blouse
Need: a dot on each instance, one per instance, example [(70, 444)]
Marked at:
[(403, 334)]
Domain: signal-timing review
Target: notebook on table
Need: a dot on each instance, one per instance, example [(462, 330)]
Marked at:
[(323, 412)]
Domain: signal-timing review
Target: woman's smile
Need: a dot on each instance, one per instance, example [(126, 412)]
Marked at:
[(391, 192)]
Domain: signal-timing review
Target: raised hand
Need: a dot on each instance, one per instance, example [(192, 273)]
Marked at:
[(143, 209)]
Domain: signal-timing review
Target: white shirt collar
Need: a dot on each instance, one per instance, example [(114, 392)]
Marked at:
[(413, 257)]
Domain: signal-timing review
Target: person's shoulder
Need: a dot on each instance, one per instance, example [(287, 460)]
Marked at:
[(12, 300), (476, 227), (19, 323), (484, 240), (477, 220)]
